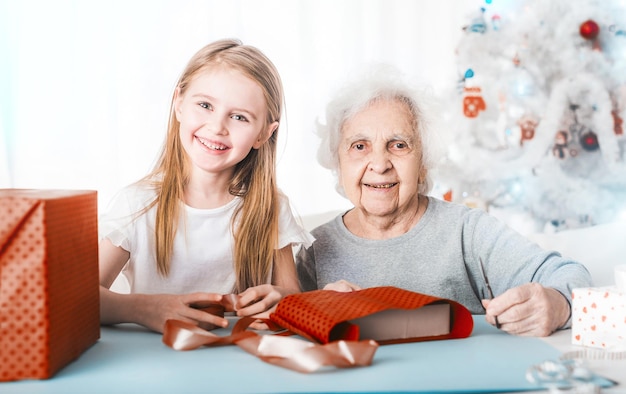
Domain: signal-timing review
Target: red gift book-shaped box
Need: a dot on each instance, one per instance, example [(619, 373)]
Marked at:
[(385, 314)]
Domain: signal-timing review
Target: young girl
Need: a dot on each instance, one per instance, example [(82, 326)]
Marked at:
[(209, 219)]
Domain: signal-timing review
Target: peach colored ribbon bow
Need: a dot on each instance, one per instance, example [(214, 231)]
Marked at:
[(292, 353)]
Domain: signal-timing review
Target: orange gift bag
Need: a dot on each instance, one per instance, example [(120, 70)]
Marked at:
[(49, 293)]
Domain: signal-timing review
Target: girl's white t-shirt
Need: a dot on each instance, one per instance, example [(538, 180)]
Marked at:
[(202, 258)]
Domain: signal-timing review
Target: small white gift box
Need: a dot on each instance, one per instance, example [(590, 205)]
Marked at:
[(599, 317)]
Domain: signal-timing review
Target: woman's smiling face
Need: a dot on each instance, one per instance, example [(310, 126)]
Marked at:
[(380, 159)]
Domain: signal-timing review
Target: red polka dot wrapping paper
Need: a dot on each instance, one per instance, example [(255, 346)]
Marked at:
[(599, 317), (49, 287)]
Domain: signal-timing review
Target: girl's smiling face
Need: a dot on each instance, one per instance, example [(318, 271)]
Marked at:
[(222, 116)]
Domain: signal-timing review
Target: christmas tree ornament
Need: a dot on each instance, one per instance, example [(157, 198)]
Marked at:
[(586, 137), (620, 32), (617, 31), (527, 123), (469, 73), (589, 141), (559, 150), (596, 46), (589, 29), (477, 24), (496, 21), (617, 123), (516, 60), (473, 102)]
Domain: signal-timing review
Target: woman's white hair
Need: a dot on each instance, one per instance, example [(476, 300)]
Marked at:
[(379, 81)]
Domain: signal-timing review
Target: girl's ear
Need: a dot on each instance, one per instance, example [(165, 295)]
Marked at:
[(265, 135), (178, 98)]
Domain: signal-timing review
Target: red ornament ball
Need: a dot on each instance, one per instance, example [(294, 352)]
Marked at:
[(589, 141), (589, 29)]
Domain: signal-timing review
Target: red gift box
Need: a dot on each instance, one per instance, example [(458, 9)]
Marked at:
[(49, 292)]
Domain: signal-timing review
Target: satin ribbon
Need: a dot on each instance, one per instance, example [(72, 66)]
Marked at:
[(287, 352)]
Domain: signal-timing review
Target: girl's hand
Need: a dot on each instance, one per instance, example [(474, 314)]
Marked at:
[(155, 309), (258, 299)]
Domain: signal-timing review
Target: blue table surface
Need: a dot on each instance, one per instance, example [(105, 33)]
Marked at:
[(129, 359)]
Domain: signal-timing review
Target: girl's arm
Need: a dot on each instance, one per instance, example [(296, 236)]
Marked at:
[(148, 310), (111, 261), (284, 273), (114, 307)]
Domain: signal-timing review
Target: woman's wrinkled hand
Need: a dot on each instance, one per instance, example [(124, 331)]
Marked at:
[(528, 310), (343, 286)]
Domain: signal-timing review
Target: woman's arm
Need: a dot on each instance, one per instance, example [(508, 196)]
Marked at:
[(532, 286)]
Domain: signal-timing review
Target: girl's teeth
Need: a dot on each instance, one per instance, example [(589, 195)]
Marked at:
[(212, 146)]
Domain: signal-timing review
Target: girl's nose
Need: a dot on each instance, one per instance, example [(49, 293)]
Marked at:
[(217, 125)]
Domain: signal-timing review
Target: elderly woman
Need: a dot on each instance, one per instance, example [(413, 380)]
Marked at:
[(376, 140)]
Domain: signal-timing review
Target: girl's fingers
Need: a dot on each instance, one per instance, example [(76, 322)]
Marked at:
[(201, 299)]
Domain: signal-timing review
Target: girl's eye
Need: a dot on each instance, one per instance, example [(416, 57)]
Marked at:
[(240, 117), (205, 105)]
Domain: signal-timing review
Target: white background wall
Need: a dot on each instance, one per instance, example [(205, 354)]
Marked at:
[(85, 86)]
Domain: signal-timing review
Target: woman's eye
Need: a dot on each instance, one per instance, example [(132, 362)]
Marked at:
[(400, 148), (205, 105), (359, 146)]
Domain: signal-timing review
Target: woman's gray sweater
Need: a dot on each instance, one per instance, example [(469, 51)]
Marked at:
[(439, 256)]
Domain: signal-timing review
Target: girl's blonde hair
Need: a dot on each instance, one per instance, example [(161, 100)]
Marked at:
[(255, 222)]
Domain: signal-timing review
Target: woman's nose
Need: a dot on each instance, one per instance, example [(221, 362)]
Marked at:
[(379, 161)]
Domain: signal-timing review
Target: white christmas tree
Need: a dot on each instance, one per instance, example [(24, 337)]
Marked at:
[(537, 116)]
